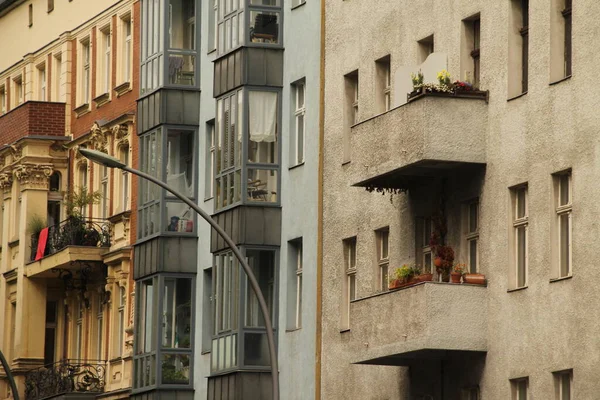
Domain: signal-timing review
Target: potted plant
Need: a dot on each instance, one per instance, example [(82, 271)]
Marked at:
[(422, 275), (474, 278), (457, 272), (403, 276)]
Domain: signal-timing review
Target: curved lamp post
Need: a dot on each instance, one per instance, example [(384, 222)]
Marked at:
[(9, 375), (112, 162)]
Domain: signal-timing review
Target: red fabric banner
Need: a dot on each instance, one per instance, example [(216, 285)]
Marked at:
[(43, 239)]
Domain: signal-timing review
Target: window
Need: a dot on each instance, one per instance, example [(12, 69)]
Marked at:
[(561, 32), (518, 55), (83, 183), (520, 236), (180, 171), (150, 163), (564, 222), (383, 259), (124, 157), (99, 327), (105, 60), (77, 351), (425, 48), (41, 69), (13, 328), (18, 91), (120, 322), (351, 116), (209, 184), (295, 284), (519, 388), (472, 236), (50, 5), (383, 84), (85, 72), (50, 334), (57, 77), (2, 99), (104, 200), (182, 39), (423, 254), (471, 39), (264, 25), (213, 9), (563, 382), (30, 15), (207, 307), (126, 61), (299, 93), (349, 294)]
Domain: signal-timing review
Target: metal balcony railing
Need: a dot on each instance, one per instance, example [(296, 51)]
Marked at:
[(66, 376), (74, 231)]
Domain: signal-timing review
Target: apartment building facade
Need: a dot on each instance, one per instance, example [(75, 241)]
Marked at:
[(67, 224), (503, 177)]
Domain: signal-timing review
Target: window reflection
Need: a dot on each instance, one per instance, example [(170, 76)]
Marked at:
[(264, 27)]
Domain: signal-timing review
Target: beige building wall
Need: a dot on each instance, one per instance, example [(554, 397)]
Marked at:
[(549, 325)]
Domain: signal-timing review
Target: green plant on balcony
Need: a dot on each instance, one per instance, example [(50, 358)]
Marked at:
[(75, 231), (444, 85), (35, 225), (403, 276)]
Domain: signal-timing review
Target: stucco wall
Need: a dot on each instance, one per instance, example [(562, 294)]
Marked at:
[(533, 332)]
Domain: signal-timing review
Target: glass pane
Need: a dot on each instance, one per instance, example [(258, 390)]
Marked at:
[(564, 189), (262, 185), (176, 313), (148, 312), (473, 217), (179, 217), (384, 276), (522, 390), (256, 349), (182, 17), (182, 70), (175, 369), (300, 137), (384, 244), (264, 27), (427, 262), (213, 355), (565, 386), (521, 256), (265, 2), (352, 254), (262, 127), (521, 202), (473, 256), (228, 351), (565, 247), (152, 368), (262, 263), (352, 286), (180, 161)]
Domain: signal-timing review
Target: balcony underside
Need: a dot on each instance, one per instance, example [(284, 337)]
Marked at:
[(70, 258), (407, 359)]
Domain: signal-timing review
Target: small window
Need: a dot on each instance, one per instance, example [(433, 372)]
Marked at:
[(299, 94), (520, 227), (104, 188), (55, 182), (471, 43), (126, 48), (349, 273), (18, 91), (124, 157), (2, 99), (50, 5), (105, 60), (57, 77), (519, 388), (295, 284), (85, 93), (99, 327), (564, 222), (383, 259), (563, 382), (264, 27), (424, 255), (518, 58), (351, 111), (30, 15), (426, 47), (472, 236), (209, 184), (41, 69), (212, 25), (561, 36), (383, 84)]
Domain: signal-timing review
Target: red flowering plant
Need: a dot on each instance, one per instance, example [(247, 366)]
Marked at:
[(460, 86)]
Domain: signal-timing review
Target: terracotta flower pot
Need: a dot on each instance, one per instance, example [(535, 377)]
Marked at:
[(474, 279), (455, 277), (395, 284), (425, 277), (437, 262)]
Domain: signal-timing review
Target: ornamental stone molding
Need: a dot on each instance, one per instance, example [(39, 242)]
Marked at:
[(33, 176), (121, 133), (17, 152), (6, 180), (98, 138)]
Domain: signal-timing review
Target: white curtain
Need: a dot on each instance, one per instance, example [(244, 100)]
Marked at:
[(263, 116)]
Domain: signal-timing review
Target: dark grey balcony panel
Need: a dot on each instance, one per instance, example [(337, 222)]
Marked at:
[(240, 386), (165, 254), (247, 225), (169, 106), (164, 395)]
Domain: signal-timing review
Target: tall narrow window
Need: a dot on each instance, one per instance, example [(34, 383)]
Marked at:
[(295, 284), (426, 47), (383, 84), (350, 110), (99, 327), (563, 381), (106, 60), (50, 334), (383, 258), (564, 222), (42, 82), (104, 201), (209, 184), (83, 184), (470, 49), (126, 49), (525, 46), (520, 228), (13, 328), (349, 248), (423, 249), (299, 91), (85, 72), (30, 15), (518, 55), (78, 330), (120, 322), (567, 15), (472, 236), (18, 92), (212, 24), (519, 388), (2, 99), (124, 157), (561, 36), (50, 5), (57, 77)]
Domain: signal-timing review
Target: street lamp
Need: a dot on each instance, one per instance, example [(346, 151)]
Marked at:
[(112, 162), (9, 375)]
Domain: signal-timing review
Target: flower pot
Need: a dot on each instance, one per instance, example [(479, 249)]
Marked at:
[(455, 277), (474, 279), (425, 278), (437, 262), (395, 284)]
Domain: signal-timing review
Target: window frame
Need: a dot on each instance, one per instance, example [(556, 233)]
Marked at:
[(3, 99), (349, 248), (299, 152), (42, 81), (382, 239), (85, 71), (559, 382), (567, 14), (560, 211), (516, 387), (105, 60), (472, 236), (517, 224)]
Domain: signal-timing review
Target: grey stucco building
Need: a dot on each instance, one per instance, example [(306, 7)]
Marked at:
[(507, 176)]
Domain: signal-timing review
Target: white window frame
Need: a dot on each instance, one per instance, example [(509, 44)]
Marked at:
[(349, 248), (518, 223), (383, 256), (104, 188), (18, 82), (472, 236), (124, 156), (41, 70), (106, 58), (2, 99), (99, 327), (299, 114), (516, 385), (79, 330), (299, 265), (120, 321), (57, 75), (562, 210), (85, 46), (559, 382), (83, 183), (126, 63)]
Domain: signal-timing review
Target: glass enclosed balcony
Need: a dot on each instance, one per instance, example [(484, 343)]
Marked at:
[(169, 44), (248, 23), (248, 148)]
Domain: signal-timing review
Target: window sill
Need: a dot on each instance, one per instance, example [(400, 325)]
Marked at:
[(211, 51), (115, 360), (123, 88), (564, 278), (344, 330), (82, 110), (296, 166), (208, 198), (293, 330), (13, 243), (566, 78), (516, 97), (346, 162), (517, 289), (205, 352), (102, 99), (299, 5)]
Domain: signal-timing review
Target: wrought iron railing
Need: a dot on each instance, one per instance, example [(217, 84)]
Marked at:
[(74, 231), (66, 376)]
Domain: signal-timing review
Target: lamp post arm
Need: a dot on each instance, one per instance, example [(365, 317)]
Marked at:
[(9, 375), (248, 271)]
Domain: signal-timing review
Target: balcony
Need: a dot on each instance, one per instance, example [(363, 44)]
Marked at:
[(74, 239), (33, 118), (426, 321), (432, 133), (77, 378)]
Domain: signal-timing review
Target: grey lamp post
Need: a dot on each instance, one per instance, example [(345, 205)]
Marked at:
[(10, 377), (112, 162)]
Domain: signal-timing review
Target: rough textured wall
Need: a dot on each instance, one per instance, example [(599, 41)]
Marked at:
[(546, 327)]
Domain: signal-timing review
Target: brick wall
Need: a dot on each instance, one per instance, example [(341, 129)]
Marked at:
[(32, 118)]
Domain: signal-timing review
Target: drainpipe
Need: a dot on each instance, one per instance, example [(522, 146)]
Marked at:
[(9, 375)]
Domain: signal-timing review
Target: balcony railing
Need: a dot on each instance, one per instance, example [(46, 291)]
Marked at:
[(74, 231), (66, 376)]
